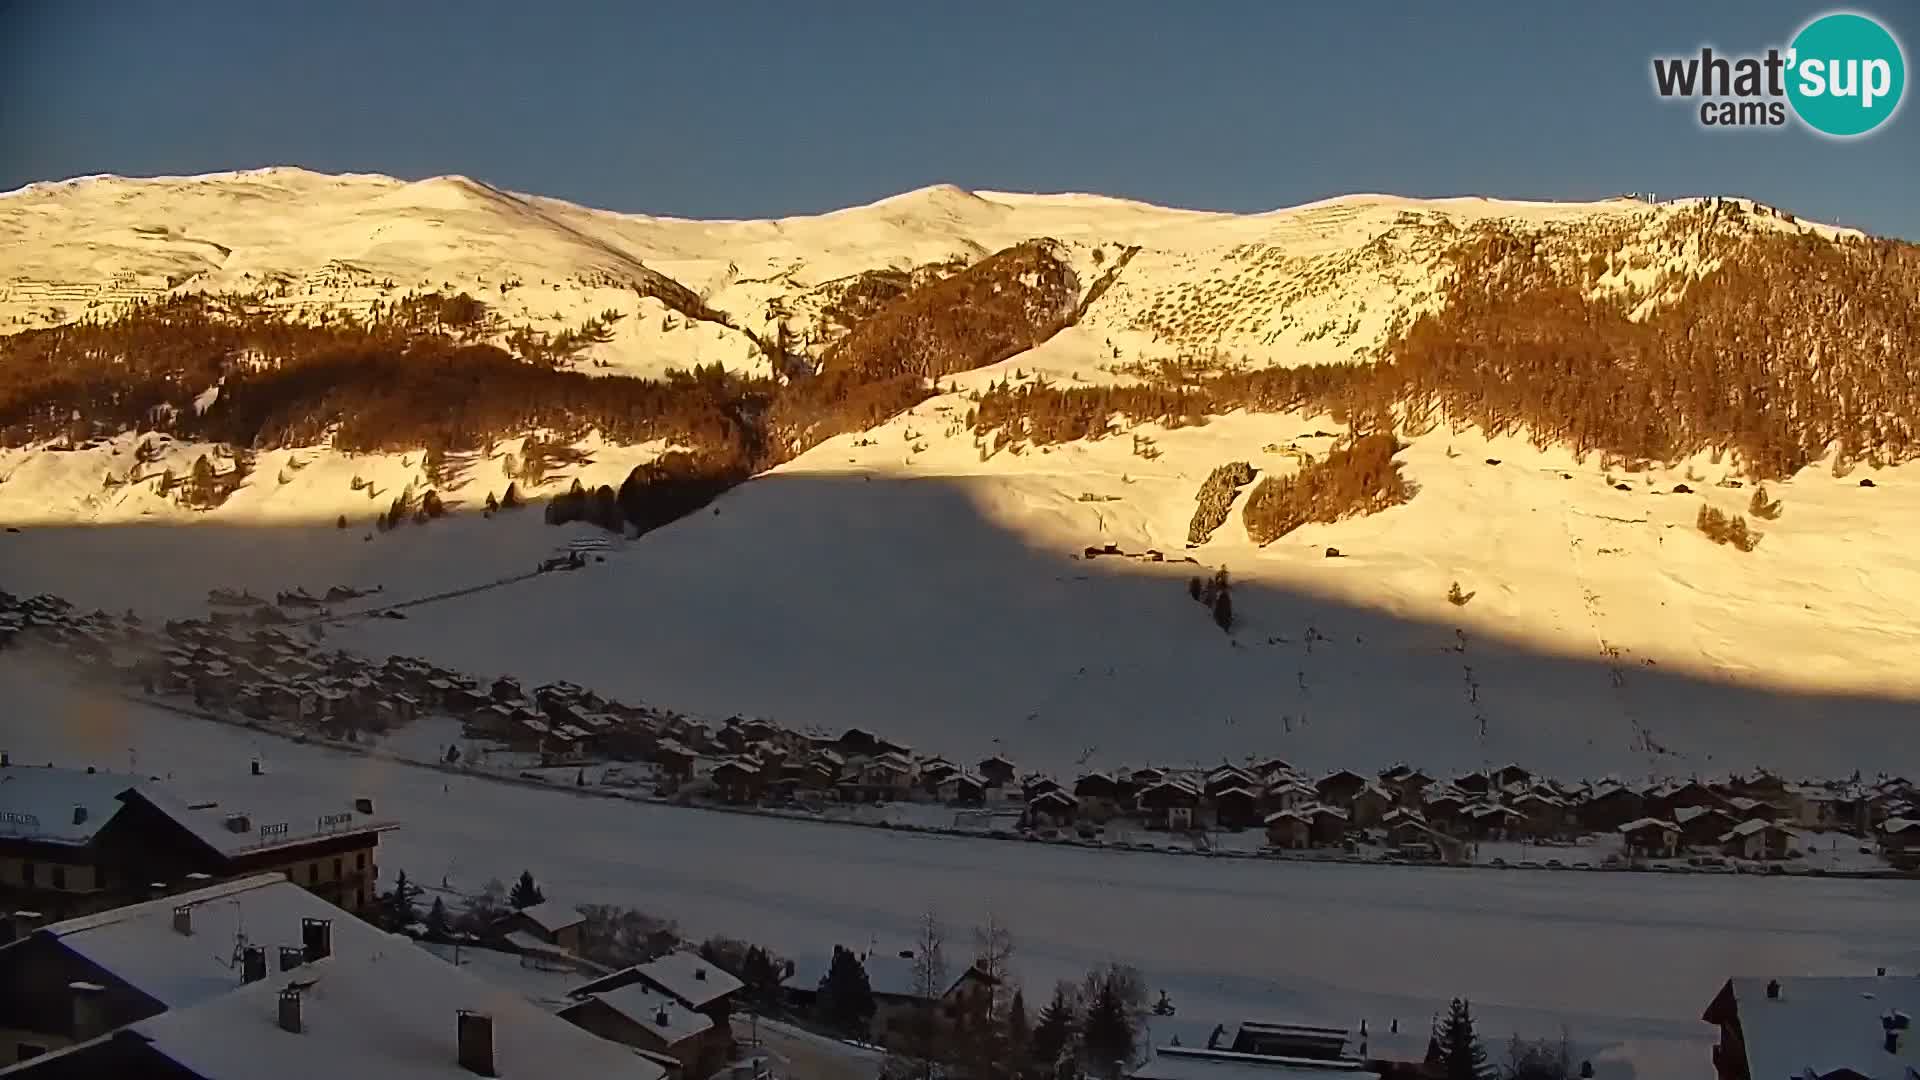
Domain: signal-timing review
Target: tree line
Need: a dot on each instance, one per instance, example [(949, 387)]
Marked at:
[(1790, 347)]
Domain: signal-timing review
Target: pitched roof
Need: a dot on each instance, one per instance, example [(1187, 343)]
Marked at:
[(1820, 1026), (39, 803), (659, 1013), (689, 977), (387, 1015), (1649, 823), (553, 915)]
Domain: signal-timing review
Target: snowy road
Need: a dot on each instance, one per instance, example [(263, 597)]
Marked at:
[(1626, 960)]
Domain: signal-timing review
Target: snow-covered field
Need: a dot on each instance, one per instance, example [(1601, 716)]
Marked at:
[(1627, 961)]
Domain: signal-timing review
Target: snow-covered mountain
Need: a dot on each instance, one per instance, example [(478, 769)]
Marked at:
[(919, 579)]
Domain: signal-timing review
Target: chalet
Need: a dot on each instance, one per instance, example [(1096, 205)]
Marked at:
[(1651, 838), (1145, 778), (1291, 795), (1703, 826), (675, 760), (962, 789), (1289, 829), (1443, 807), (258, 977), (1369, 804), (1508, 775), (886, 778), (1843, 1028), (1095, 787), (1474, 783), (1037, 785), (1052, 808), (1490, 821), (1900, 839), (1236, 808), (1328, 825), (1816, 808), (737, 780), (1757, 840), (1339, 788), (1608, 807), (1407, 784), (552, 923), (685, 980), (997, 771), (1170, 804), (1542, 816), (1664, 801), (74, 841), (1414, 838), (933, 770), (1761, 784), (505, 689), (1272, 769), (1229, 776), (653, 1023)]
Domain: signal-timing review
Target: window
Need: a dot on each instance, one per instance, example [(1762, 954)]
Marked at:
[(313, 873), (59, 877), (360, 861), (336, 869)]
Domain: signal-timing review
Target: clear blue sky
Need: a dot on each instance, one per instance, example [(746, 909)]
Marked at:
[(761, 108)]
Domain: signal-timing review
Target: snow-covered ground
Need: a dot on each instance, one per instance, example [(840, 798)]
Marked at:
[(1626, 961)]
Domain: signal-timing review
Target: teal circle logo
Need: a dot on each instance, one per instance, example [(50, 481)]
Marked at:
[(1846, 74)]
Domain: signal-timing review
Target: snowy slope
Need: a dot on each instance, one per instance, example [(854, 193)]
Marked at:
[(894, 579)]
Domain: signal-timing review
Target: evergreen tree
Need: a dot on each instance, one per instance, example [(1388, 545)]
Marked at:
[(525, 892), (1019, 1034), (1223, 609), (399, 908), (1054, 1035), (1108, 1039), (845, 1000), (437, 924), (1461, 1055)]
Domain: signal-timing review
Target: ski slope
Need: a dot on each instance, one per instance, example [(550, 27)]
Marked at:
[(1625, 961)]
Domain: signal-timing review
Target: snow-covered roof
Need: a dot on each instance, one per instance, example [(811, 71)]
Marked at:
[(1899, 825), (1826, 1025), (553, 915), (1748, 828), (1688, 813), (689, 977), (39, 803), (1194, 1063), (1649, 823), (141, 947), (280, 822), (385, 1014), (659, 1013)]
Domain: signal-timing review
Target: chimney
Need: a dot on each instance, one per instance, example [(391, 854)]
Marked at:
[(363, 805), (316, 935), (1773, 989), (90, 770), (89, 1018), (700, 974), (239, 823), (292, 956), (290, 1010), (476, 1042), (1881, 972), (26, 922), (183, 919), (79, 814), (253, 964), (660, 1016), (6, 759), (255, 766)]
